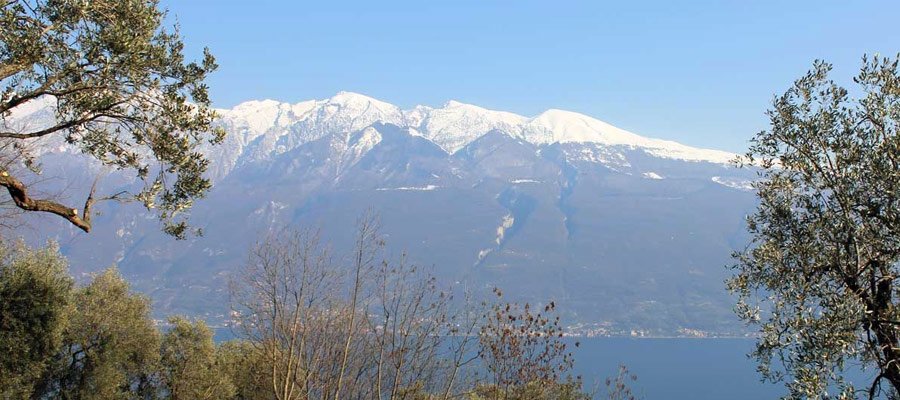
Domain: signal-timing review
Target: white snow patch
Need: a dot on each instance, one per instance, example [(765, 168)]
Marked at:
[(508, 221), (652, 175), (600, 155), (413, 188), (739, 184), (271, 206), (367, 139), (416, 133), (210, 252), (483, 253), (524, 181)]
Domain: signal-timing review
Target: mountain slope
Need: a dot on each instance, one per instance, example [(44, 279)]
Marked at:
[(625, 232)]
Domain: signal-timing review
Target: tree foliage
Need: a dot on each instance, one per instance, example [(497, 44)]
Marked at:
[(188, 360), (245, 367), (35, 295), (109, 346), (99, 342), (122, 93), (294, 306), (820, 275)]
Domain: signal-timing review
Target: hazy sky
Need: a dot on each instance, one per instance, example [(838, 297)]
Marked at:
[(702, 73)]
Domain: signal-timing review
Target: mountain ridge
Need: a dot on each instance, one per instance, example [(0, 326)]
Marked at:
[(456, 124)]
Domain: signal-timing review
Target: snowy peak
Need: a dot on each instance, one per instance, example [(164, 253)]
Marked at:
[(451, 126), (362, 104), (561, 126), (254, 106), (260, 116), (345, 97), (457, 124)]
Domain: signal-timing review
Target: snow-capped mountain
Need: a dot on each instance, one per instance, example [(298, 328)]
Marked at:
[(622, 230), (262, 129)]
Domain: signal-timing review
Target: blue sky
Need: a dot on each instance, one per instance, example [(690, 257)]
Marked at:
[(699, 72)]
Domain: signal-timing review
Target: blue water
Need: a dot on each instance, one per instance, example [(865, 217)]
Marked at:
[(685, 369), (675, 369)]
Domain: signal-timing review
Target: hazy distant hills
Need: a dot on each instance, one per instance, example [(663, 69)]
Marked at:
[(620, 230)]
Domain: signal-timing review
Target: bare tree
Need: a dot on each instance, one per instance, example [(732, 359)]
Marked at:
[(462, 345), (368, 242), (618, 387), (408, 321), (373, 326), (523, 351), (278, 297)]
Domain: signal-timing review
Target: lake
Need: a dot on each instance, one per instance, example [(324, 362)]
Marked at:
[(671, 369), (674, 369), (680, 369)]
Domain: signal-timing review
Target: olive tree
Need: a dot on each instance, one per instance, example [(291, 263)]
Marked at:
[(819, 278), (35, 303), (109, 347), (121, 92), (189, 364)]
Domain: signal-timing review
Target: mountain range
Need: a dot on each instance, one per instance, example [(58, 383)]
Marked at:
[(626, 233)]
